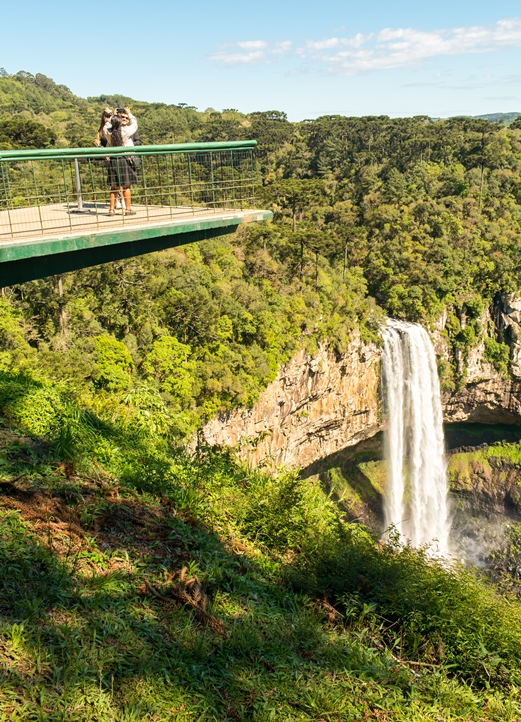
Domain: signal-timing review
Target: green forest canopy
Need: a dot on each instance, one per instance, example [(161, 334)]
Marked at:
[(373, 216)]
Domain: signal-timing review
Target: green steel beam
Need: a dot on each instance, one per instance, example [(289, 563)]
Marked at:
[(64, 153), (22, 261)]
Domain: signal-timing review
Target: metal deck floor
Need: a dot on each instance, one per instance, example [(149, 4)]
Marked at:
[(60, 220)]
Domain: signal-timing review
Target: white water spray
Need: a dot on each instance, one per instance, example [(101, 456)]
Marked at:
[(416, 495)]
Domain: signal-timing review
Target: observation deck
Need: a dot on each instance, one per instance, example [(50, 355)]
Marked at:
[(54, 203)]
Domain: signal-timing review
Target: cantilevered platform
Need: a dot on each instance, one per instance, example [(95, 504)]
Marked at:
[(54, 214), (99, 238)]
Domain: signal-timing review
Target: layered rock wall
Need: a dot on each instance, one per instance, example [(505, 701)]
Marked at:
[(488, 397)]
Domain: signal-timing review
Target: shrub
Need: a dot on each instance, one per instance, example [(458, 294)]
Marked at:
[(436, 613), (446, 375), (35, 405), (167, 362), (114, 364), (498, 354)]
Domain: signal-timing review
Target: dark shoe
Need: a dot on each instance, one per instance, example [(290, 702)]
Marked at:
[(130, 213), (112, 213)]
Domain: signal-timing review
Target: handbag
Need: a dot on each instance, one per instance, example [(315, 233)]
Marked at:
[(134, 161)]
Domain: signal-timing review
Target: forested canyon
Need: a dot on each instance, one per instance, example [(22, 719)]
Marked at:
[(191, 461)]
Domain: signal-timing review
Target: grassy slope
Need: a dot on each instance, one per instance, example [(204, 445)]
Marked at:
[(165, 591)]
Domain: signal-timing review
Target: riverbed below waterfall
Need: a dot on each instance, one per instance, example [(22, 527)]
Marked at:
[(484, 470)]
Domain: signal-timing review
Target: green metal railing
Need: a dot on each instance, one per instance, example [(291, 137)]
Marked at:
[(66, 190)]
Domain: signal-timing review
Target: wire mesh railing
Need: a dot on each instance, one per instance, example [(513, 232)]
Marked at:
[(66, 190)]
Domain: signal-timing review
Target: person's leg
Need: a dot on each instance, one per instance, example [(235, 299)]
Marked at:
[(113, 196), (126, 196)]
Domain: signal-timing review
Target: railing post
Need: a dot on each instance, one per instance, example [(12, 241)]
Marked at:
[(6, 185), (190, 182), (252, 178), (212, 179), (233, 179), (78, 184)]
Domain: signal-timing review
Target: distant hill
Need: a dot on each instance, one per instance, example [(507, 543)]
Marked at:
[(37, 112), (505, 118), (74, 120)]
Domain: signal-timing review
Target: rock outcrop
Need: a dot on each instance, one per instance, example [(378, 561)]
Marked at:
[(488, 397), (490, 482), (489, 401), (508, 319)]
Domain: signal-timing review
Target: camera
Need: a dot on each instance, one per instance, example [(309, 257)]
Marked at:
[(120, 110)]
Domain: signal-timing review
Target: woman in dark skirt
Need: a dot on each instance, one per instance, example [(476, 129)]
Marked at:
[(121, 174)]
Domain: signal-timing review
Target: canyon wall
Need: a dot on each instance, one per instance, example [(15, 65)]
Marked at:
[(321, 404), (487, 397), (316, 406)]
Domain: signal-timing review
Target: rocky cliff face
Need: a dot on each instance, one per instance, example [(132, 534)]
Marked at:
[(492, 482), (321, 404), (508, 319), (487, 396), (316, 406), (487, 401)]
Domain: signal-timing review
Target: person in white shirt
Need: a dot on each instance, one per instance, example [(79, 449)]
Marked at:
[(121, 175)]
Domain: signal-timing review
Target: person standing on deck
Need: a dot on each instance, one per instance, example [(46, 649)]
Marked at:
[(121, 174), (136, 138)]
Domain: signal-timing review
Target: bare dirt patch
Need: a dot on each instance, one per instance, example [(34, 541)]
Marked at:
[(68, 518)]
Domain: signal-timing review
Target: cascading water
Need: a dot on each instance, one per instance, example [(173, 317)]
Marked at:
[(416, 496)]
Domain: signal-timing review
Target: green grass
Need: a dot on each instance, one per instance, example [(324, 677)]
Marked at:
[(82, 639), (139, 584), (464, 466)]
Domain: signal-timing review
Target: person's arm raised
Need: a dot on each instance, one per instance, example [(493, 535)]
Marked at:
[(132, 126)]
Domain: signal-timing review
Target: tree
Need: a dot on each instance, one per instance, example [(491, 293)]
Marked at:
[(114, 364), (319, 243), (295, 196), (343, 221), (168, 363)]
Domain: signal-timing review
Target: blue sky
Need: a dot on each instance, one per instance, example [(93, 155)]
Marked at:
[(307, 58)]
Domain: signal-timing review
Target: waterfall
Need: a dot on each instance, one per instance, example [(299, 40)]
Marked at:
[(416, 496)]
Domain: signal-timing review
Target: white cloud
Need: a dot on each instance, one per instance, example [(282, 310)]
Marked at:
[(397, 48), (248, 52), (283, 46), (227, 58), (383, 50), (323, 44), (253, 45)]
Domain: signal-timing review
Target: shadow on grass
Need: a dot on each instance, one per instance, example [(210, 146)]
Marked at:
[(108, 591), (86, 639), (93, 625)]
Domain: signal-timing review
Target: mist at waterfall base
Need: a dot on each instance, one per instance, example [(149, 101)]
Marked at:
[(416, 497)]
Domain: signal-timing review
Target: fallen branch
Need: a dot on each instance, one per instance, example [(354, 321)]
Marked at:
[(191, 593)]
